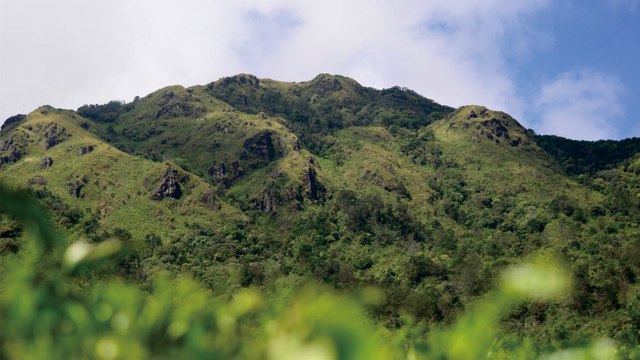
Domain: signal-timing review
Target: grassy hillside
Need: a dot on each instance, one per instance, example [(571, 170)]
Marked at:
[(96, 191), (257, 183)]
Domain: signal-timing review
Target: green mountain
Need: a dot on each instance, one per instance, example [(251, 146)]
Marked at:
[(248, 182)]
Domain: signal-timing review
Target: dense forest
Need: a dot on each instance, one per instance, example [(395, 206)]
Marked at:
[(251, 218)]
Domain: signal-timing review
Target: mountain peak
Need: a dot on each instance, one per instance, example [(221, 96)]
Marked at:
[(495, 126), (238, 79)]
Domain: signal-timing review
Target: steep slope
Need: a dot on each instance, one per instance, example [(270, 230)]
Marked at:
[(326, 103), (496, 154), (217, 142), (97, 191), (344, 184), (266, 149)]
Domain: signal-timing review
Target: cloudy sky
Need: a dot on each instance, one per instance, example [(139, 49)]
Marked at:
[(564, 67)]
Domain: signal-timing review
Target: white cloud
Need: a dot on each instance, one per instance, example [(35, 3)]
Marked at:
[(581, 105), (71, 52), (453, 53)]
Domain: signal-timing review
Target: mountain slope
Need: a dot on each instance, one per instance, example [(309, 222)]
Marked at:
[(97, 191), (252, 182), (588, 157), (326, 103)]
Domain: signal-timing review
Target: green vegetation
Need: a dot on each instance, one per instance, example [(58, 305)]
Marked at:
[(258, 187), (57, 309), (580, 157)]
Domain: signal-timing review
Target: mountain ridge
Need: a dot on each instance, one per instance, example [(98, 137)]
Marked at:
[(248, 182)]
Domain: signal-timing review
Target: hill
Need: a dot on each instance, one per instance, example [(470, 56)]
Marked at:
[(248, 182)]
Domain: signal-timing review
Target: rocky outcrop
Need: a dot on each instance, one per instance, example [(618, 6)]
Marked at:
[(282, 192), (483, 112), (10, 157), (241, 91), (75, 186), (472, 115), (46, 162), (223, 176), (85, 149), (8, 144), (260, 150), (260, 146), (314, 189), (325, 84), (496, 128), (54, 135), (270, 199), (169, 186), (13, 120), (173, 106), (218, 171), (10, 151)]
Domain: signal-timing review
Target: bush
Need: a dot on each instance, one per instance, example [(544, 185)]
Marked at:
[(50, 316)]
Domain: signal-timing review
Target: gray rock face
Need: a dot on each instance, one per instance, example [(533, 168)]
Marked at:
[(169, 186), (497, 128), (498, 131), (46, 162), (270, 199), (260, 146), (224, 176), (10, 152), (10, 157), (472, 115), (83, 150), (10, 142), (53, 136), (493, 126), (276, 196), (76, 185), (16, 119), (314, 189)]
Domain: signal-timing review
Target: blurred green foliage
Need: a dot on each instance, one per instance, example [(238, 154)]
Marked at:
[(53, 306)]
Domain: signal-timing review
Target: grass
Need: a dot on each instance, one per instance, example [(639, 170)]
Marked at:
[(430, 210), (118, 186)]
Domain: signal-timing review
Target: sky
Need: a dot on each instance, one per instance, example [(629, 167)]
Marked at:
[(563, 67)]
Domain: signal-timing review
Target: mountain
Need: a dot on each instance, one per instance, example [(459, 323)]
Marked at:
[(248, 182)]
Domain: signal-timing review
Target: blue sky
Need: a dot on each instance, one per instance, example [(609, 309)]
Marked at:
[(595, 44), (564, 67)]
